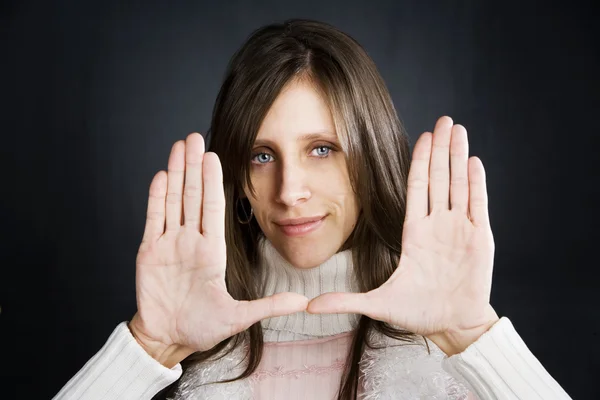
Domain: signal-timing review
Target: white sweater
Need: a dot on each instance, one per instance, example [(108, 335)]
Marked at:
[(497, 366)]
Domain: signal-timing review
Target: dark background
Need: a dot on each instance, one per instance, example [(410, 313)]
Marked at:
[(95, 93)]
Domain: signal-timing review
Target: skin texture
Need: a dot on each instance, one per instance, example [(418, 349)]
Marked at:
[(295, 175)]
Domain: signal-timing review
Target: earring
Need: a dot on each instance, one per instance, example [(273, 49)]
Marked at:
[(248, 218)]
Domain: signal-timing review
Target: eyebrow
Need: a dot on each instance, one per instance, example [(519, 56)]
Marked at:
[(304, 138)]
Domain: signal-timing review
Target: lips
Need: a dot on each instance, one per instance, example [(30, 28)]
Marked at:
[(300, 226), (299, 221)]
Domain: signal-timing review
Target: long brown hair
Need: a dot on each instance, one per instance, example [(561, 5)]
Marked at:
[(373, 140)]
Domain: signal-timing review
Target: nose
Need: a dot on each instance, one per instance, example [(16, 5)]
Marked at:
[(294, 188)]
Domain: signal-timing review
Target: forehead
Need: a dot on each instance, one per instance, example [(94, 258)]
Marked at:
[(298, 110)]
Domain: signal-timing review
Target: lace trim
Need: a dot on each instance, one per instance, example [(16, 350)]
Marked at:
[(280, 372), (310, 341)]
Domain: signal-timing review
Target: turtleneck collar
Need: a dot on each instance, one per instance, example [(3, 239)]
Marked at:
[(334, 275)]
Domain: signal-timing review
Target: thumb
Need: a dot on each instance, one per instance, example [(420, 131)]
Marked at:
[(340, 303), (276, 305)]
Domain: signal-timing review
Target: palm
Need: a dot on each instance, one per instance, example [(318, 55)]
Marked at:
[(444, 261), (172, 286)]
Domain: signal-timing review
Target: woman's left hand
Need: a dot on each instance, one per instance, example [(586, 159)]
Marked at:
[(441, 288)]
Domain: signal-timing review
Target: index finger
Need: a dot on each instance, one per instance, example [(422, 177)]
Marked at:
[(192, 191), (417, 194), (213, 204)]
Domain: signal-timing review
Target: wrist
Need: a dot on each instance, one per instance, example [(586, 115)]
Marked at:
[(455, 341), (167, 355)]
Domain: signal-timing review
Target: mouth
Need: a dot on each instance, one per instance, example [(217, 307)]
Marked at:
[(300, 226)]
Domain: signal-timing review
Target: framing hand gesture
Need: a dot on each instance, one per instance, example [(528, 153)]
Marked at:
[(441, 288)]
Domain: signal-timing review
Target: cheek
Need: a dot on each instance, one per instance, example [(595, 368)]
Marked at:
[(263, 188), (260, 184), (334, 184)]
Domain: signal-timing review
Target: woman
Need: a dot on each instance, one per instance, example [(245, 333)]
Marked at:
[(308, 190)]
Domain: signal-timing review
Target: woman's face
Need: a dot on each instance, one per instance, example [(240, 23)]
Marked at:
[(299, 173)]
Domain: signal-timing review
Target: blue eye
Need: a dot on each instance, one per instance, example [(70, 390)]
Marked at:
[(323, 151), (262, 158), (265, 158)]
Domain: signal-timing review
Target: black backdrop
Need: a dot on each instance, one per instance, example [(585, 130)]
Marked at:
[(95, 93)]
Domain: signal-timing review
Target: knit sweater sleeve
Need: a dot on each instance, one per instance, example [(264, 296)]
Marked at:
[(120, 370), (500, 366)]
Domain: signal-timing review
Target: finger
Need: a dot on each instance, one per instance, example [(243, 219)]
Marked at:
[(155, 214), (192, 191), (418, 179), (250, 312), (439, 170), (213, 204), (478, 198), (339, 303), (176, 169), (459, 181)]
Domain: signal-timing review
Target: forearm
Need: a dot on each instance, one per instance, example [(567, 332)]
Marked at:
[(121, 369), (500, 366)]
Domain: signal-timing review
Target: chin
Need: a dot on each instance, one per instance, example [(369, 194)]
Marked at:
[(306, 254)]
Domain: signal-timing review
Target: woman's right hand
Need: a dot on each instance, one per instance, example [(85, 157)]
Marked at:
[(182, 299)]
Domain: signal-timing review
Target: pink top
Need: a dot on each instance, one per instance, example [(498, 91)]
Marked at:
[(498, 365), (302, 369)]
